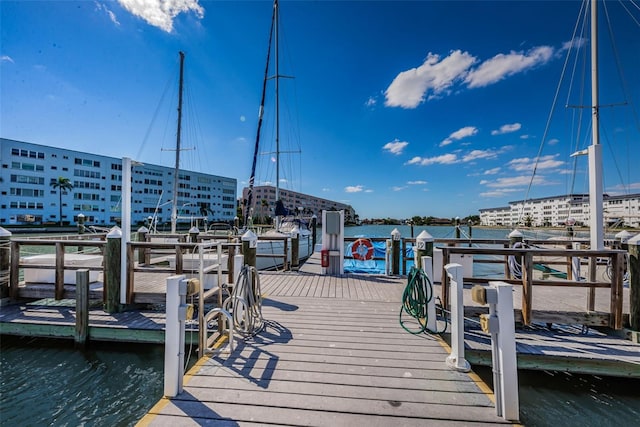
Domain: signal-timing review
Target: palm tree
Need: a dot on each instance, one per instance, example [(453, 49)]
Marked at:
[(264, 203), (62, 184)]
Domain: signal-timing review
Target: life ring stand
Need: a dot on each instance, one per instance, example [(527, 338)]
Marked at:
[(362, 249)]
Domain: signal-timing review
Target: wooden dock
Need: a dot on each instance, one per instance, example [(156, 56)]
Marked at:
[(332, 353)]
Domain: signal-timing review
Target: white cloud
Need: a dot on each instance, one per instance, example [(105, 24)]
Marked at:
[(623, 189), (110, 14), (507, 129), (445, 159), (525, 136), (459, 134), (553, 141), (452, 158), (491, 171), (371, 102), (479, 154), (397, 188), (6, 58), (433, 77), (243, 119), (527, 164), (395, 147), (416, 182), (325, 190), (503, 65), (353, 188), (576, 43), (515, 181), (160, 13), (368, 191)]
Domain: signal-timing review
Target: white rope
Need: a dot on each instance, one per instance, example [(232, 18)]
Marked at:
[(245, 303), (514, 265)]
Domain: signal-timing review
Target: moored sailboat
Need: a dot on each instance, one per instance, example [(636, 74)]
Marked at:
[(288, 223)]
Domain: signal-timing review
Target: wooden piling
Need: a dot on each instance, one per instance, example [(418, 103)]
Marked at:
[(82, 308), (14, 273), (230, 263), (634, 282), (81, 229), (142, 252), (395, 257), (515, 239), (59, 275), (112, 269), (5, 262), (591, 292), (424, 247), (314, 228), (527, 288), (295, 248), (249, 253)]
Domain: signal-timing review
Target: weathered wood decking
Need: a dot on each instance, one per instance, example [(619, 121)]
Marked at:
[(332, 353)]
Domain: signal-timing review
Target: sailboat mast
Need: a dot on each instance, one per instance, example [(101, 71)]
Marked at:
[(174, 204), (277, 22), (249, 200), (596, 221)]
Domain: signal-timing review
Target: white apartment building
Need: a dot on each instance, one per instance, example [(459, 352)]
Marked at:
[(27, 197), (263, 203), (554, 211)]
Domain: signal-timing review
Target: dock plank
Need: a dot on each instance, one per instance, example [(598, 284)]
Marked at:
[(346, 359)]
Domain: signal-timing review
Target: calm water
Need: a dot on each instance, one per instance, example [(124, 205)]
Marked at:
[(46, 382)]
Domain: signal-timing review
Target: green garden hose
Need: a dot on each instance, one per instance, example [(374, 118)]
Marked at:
[(416, 296)]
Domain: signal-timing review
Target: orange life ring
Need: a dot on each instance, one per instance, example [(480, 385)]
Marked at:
[(362, 249)]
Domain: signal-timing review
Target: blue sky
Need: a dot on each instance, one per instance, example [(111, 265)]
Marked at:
[(397, 108)]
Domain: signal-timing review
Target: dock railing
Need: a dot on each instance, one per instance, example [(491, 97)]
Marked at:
[(555, 263), (210, 260), (48, 266), (61, 250), (530, 257)]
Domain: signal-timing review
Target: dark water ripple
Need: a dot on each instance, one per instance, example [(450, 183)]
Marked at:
[(51, 383)]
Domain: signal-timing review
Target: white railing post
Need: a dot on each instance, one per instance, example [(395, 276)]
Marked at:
[(427, 267), (174, 335), (238, 262), (499, 295), (387, 257), (456, 359), (575, 264)]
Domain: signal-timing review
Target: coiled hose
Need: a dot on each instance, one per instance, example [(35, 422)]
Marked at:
[(246, 303), (415, 298)]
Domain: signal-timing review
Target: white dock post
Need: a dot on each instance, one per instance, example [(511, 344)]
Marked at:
[(174, 335), (507, 405), (456, 359), (387, 257), (427, 267), (238, 262), (575, 264)]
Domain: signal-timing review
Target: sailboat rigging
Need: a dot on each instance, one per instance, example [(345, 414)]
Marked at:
[(176, 173), (252, 178), (286, 226), (593, 151), (274, 43)]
